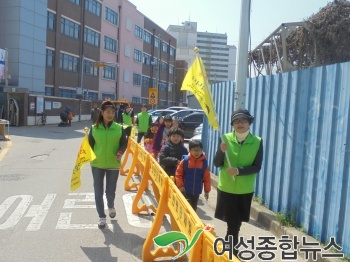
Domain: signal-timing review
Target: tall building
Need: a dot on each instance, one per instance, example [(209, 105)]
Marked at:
[(218, 57), (23, 33), (89, 48)]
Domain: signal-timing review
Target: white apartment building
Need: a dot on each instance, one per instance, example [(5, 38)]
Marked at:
[(218, 57)]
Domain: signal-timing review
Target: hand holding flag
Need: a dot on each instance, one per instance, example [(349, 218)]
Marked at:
[(85, 154)]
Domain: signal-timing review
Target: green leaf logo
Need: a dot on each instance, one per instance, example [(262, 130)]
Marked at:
[(171, 237)]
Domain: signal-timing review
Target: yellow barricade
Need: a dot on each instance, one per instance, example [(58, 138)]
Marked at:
[(184, 220), (130, 150)]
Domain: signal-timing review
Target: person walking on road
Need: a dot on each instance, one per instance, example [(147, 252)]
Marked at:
[(236, 183), (128, 120), (192, 173), (108, 141), (143, 122), (95, 112)]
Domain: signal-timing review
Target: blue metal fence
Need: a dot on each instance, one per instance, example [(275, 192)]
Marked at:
[(303, 119)]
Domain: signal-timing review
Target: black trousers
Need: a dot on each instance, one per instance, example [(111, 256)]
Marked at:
[(128, 131), (192, 200), (140, 135)]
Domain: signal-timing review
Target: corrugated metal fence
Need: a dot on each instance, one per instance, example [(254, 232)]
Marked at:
[(303, 118)]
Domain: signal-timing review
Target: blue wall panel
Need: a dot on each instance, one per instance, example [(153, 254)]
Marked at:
[(303, 119)]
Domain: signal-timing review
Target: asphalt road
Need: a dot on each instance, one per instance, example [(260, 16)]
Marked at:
[(42, 220)]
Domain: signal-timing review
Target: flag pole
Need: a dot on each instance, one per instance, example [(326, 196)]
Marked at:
[(206, 85)]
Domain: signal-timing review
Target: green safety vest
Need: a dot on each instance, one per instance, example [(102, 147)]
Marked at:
[(240, 156), (143, 121), (106, 145), (127, 119)]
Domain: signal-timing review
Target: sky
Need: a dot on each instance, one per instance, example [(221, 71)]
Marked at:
[(223, 16)]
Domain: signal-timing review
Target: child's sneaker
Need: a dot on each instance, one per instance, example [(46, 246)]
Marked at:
[(102, 223), (112, 212)]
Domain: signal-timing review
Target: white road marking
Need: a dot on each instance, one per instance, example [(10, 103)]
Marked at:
[(39, 212), (19, 211), (133, 220)]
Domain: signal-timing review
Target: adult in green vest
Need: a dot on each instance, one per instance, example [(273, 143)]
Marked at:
[(143, 122), (237, 179), (108, 141), (128, 120)]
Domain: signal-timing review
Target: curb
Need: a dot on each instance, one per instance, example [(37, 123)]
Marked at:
[(267, 219)]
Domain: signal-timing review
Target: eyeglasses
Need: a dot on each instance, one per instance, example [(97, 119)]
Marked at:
[(240, 121)]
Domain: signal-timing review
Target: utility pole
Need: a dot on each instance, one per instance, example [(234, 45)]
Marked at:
[(242, 59), (158, 76)]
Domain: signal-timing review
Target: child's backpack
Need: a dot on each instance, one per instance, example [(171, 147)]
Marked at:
[(185, 158)]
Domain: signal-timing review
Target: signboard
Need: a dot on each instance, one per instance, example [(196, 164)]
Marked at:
[(56, 105), (152, 96), (39, 104), (2, 63)]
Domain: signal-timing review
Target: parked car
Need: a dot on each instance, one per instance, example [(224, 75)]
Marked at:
[(184, 112), (178, 108), (196, 137), (161, 112), (198, 130), (190, 122)]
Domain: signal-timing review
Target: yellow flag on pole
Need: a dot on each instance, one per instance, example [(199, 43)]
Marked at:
[(85, 154), (196, 82)]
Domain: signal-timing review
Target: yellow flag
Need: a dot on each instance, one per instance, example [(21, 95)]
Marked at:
[(195, 82), (85, 155)]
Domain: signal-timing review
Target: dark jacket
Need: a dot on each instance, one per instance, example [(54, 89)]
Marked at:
[(170, 155)]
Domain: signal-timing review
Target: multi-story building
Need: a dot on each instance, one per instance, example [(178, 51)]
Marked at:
[(93, 48), (218, 57)]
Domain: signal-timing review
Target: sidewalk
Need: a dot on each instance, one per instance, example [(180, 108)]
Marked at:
[(267, 219)]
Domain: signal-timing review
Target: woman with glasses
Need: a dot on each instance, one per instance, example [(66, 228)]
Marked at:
[(237, 177)]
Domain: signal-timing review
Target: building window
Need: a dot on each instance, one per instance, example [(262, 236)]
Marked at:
[(144, 100), (162, 86), (109, 72), (172, 51), (49, 91), (93, 7), (90, 95), (147, 37), (70, 28), (136, 79), (137, 55), (146, 59), (171, 69), (136, 100), (106, 96), (165, 48), (145, 82), (138, 31), (110, 44), (156, 42), (50, 58), (51, 21), (90, 69), (67, 93), (69, 63), (77, 2), (111, 16), (91, 37), (164, 66)]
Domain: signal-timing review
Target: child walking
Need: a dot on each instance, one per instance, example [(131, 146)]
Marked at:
[(149, 136), (172, 152), (161, 136), (192, 173)]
